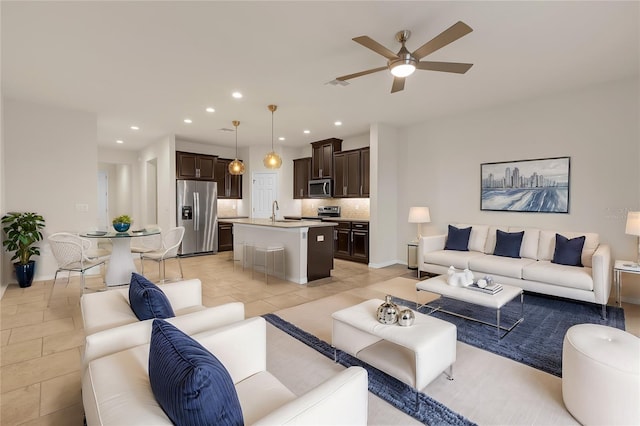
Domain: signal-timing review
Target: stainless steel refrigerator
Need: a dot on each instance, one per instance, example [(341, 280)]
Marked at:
[(197, 203)]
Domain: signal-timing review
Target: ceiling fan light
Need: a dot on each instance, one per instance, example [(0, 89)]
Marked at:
[(236, 167), (272, 160), (402, 69)]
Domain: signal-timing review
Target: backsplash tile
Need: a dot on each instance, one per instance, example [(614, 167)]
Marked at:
[(350, 208)]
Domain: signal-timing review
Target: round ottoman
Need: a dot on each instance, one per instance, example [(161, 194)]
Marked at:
[(601, 375)]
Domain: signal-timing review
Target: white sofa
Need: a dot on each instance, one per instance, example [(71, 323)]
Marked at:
[(116, 389), (534, 271), (111, 326)]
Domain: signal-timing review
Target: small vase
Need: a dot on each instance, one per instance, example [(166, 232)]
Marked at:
[(388, 312)]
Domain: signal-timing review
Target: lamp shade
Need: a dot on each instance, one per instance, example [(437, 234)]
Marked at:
[(633, 223), (419, 215)]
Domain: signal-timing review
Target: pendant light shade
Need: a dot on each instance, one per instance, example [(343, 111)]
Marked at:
[(236, 167), (272, 160)]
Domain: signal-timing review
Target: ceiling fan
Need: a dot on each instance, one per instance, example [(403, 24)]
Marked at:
[(404, 63)]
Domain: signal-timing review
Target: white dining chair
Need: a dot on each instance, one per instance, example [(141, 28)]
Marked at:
[(171, 241), (74, 254), (147, 243)]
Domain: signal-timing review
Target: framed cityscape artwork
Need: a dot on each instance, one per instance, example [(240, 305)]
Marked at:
[(540, 185)]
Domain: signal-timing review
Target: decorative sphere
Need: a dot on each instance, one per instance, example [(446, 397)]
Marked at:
[(406, 317)]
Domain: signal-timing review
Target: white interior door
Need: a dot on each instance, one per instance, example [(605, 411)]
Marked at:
[(264, 190), (103, 200)]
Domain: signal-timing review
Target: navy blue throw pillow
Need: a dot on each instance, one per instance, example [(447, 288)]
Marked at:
[(508, 244), (568, 251), (189, 382), (147, 300), (458, 239)]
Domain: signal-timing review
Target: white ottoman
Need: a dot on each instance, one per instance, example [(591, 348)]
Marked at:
[(601, 375)]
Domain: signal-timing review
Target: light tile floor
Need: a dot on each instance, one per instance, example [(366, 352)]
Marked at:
[(42, 345)]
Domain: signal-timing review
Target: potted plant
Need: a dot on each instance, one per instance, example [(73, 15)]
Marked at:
[(22, 231), (122, 223)]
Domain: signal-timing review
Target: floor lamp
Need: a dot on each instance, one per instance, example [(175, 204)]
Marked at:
[(419, 215), (633, 228)]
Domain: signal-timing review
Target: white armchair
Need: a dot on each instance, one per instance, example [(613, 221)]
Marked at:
[(116, 389)]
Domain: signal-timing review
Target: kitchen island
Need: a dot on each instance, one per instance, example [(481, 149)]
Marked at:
[(308, 245)]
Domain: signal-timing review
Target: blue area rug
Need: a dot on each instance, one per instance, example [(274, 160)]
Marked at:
[(537, 341), (395, 392)]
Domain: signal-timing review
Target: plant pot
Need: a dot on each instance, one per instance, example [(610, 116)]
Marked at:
[(25, 273), (121, 227)]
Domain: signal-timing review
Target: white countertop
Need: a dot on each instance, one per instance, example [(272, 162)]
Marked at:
[(282, 223)]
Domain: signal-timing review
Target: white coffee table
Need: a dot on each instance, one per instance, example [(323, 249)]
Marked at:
[(415, 355), (438, 285)]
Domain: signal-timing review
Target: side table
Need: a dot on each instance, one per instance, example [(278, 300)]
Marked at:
[(619, 267), (412, 256)]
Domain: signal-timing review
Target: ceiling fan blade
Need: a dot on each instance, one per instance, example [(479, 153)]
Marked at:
[(449, 35), (444, 66), (370, 43), (361, 73), (398, 84)]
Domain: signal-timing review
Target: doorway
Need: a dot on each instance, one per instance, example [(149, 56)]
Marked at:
[(264, 191)]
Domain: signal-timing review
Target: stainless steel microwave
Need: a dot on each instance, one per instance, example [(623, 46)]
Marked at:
[(320, 188)]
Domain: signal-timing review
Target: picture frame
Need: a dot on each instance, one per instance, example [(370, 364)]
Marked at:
[(539, 185)]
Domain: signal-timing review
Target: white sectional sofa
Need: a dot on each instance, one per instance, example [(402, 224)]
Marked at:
[(534, 271), (116, 389)]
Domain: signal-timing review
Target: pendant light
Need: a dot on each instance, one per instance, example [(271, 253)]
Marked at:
[(236, 167), (272, 160)]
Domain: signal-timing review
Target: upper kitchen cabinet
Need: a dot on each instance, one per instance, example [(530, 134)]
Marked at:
[(301, 176), (195, 166), (229, 186), (322, 157), (351, 173)]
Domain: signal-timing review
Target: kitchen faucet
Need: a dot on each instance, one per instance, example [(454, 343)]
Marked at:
[(274, 207)]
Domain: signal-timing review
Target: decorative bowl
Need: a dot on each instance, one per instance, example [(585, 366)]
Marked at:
[(121, 227)]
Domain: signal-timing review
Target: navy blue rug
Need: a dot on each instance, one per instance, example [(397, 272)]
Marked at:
[(537, 341), (392, 390)]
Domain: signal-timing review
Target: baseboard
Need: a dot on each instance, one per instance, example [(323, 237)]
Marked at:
[(631, 300), (385, 264)]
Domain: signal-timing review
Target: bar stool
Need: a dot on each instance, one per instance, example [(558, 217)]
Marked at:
[(247, 252), (265, 251)]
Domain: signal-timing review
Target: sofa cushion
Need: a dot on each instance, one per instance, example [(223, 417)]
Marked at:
[(189, 382), (261, 394), (478, 237), (544, 271), (547, 245), (147, 300), (508, 244), (568, 251), (498, 265), (529, 247), (458, 239), (446, 258), (490, 246)]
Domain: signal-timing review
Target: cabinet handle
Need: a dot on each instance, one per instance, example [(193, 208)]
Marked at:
[(352, 237), (320, 173), (344, 190), (301, 192), (360, 189), (335, 235), (197, 172)]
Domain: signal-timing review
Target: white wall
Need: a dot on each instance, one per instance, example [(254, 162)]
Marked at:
[(597, 127), (50, 167), (163, 152), (3, 282)]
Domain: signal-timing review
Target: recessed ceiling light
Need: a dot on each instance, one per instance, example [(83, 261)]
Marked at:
[(281, 138), (135, 128), (209, 109), (306, 132), (237, 95), (338, 123), (187, 120), (119, 141)]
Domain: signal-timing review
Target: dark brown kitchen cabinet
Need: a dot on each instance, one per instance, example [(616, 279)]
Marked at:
[(225, 236), (346, 174), (364, 171), (195, 166), (301, 175), (322, 157), (229, 186), (351, 173), (351, 241)]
